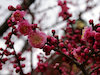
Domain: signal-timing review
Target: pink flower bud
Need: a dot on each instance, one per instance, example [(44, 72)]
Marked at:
[(23, 65), (98, 29), (14, 65), (17, 69), (61, 44), (86, 50), (18, 7), (91, 21), (11, 8), (53, 31), (97, 36)]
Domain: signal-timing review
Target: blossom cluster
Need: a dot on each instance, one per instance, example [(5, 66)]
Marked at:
[(80, 43), (36, 38), (20, 26), (78, 48)]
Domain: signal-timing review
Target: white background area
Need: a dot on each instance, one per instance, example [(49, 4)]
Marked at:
[(49, 19)]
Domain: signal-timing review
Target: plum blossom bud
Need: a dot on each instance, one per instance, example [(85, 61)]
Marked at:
[(59, 3), (14, 65), (23, 65), (42, 67), (11, 8), (17, 69), (53, 31), (97, 36), (91, 21), (18, 7), (61, 44), (98, 29), (86, 50)]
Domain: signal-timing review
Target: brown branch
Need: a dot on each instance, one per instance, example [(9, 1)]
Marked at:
[(19, 64), (80, 66), (89, 67), (32, 14), (45, 9), (54, 25), (93, 70), (25, 47)]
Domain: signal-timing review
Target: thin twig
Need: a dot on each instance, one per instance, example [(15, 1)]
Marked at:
[(80, 66), (31, 62), (45, 9), (93, 70)]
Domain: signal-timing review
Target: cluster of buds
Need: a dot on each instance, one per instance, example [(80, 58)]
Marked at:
[(36, 38), (81, 47), (19, 25), (64, 13), (41, 66)]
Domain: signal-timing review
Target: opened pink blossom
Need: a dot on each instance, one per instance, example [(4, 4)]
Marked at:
[(18, 15), (24, 27), (37, 39)]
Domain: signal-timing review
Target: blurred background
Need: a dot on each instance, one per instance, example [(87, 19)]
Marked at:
[(45, 14)]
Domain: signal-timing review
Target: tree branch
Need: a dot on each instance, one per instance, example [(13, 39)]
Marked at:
[(80, 66)]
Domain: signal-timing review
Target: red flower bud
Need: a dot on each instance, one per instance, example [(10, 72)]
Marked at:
[(11, 8)]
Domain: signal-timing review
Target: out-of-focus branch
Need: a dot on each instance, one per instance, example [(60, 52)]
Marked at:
[(80, 66), (4, 27), (54, 25), (25, 47), (89, 67), (32, 14), (45, 9), (88, 8), (94, 70), (32, 70)]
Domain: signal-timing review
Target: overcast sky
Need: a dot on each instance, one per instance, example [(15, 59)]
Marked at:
[(49, 19)]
